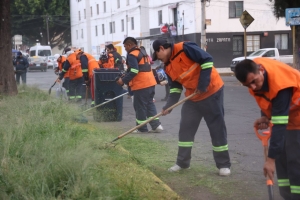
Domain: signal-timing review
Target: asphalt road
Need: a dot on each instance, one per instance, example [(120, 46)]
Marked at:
[(240, 112)]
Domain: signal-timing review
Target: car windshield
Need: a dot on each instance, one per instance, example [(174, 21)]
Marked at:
[(257, 53), (51, 57), (44, 52)]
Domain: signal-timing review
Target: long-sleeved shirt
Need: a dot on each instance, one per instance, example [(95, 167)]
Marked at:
[(196, 54), (133, 68), (21, 63), (280, 107)]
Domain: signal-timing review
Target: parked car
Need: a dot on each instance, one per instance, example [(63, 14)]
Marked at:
[(37, 63), (271, 53), (51, 61)]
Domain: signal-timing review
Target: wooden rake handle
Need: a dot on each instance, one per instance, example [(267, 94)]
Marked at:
[(154, 117)]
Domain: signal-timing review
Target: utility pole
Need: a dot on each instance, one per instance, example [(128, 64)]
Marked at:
[(203, 25), (47, 20)]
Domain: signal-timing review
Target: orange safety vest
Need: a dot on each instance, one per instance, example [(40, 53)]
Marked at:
[(92, 64), (280, 76), (144, 77), (60, 66), (187, 72), (75, 71), (109, 64)]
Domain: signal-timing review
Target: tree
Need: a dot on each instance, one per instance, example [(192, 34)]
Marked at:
[(279, 11), (29, 18), (8, 84)]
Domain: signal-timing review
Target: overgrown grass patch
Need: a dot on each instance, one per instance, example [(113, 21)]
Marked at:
[(46, 155)]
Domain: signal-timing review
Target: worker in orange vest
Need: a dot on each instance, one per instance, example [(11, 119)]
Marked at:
[(276, 89), (141, 80), (105, 61), (73, 67), (88, 65), (61, 59), (188, 66)]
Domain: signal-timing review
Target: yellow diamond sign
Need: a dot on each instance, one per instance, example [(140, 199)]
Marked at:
[(246, 19)]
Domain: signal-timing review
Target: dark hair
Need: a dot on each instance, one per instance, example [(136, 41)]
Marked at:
[(243, 68), (110, 46), (130, 40)]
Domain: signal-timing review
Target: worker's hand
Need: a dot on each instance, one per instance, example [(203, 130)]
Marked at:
[(58, 80), (198, 91), (87, 83), (120, 82), (262, 123), (269, 168), (165, 112)]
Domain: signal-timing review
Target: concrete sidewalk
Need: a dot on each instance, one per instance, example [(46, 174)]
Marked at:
[(225, 71)]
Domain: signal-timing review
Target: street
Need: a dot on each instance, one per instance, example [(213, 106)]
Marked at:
[(245, 149)]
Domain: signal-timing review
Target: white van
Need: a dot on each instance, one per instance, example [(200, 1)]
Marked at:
[(39, 50), (38, 57)]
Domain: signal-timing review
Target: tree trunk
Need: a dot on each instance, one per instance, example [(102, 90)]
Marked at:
[(297, 48), (8, 84)]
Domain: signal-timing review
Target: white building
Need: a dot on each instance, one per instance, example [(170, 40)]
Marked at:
[(95, 23)]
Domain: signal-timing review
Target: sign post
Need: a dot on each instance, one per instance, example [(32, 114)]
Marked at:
[(292, 18), (246, 19)]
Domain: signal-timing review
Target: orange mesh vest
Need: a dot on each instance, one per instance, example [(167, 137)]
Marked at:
[(144, 77), (60, 66), (92, 64), (75, 71), (280, 76), (187, 72)]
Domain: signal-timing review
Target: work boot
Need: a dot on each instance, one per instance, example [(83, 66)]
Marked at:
[(159, 129), (224, 172), (176, 168)]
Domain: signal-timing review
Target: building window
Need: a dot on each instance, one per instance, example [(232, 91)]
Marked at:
[(138, 1), (96, 30), (81, 33), (253, 43), (84, 14), (91, 11), (97, 9), (118, 3), (104, 6), (79, 15), (132, 23), (127, 2), (122, 25), (237, 43), (103, 30), (76, 34), (98, 50), (160, 17), (112, 27), (235, 9), (281, 41)]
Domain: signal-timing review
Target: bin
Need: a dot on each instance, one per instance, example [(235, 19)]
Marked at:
[(106, 88)]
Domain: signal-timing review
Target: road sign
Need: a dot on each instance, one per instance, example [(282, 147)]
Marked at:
[(246, 19), (292, 16)]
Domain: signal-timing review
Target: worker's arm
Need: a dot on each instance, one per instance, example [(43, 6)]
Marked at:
[(66, 67), (134, 68), (84, 66), (280, 117), (198, 55), (175, 93)]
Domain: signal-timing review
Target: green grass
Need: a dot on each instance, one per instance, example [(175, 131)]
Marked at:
[(46, 155)]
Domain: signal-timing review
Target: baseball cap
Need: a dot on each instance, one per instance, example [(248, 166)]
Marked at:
[(155, 45)]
